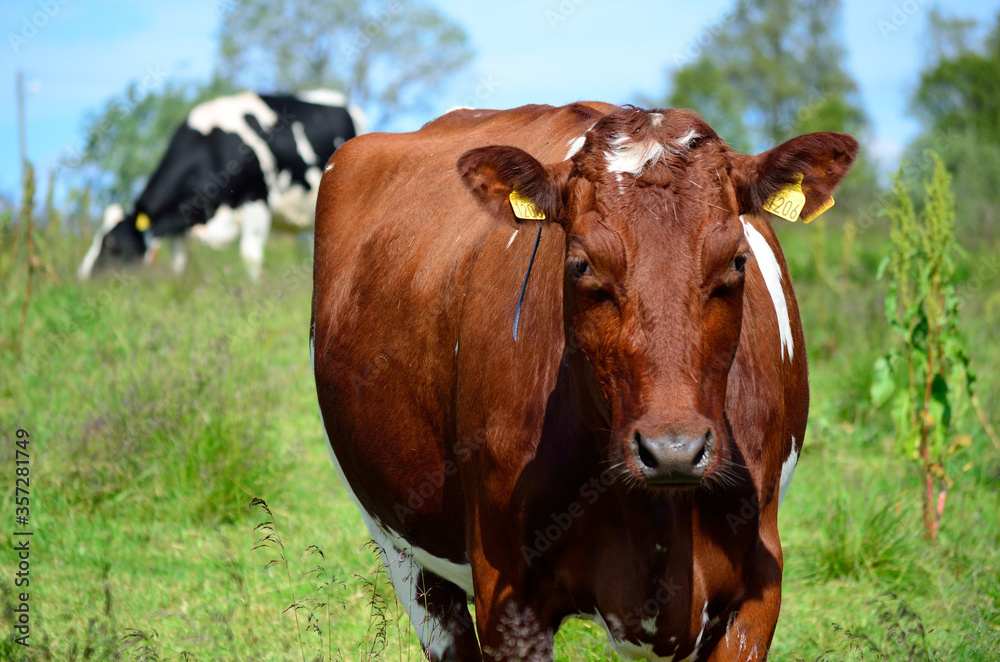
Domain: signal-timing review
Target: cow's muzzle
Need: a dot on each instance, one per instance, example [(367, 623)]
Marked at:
[(675, 458)]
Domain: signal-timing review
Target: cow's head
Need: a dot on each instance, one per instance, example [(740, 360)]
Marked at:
[(117, 243), (655, 264)]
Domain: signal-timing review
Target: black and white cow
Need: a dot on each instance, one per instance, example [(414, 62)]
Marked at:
[(238, 166)]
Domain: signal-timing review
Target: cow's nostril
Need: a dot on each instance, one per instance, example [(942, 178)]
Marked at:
[(645, 455)]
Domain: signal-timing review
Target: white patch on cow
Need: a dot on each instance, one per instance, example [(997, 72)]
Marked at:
[(293, 204), (575, 145), (323, 97), (649, 625), (629, 156), (686, 140), (701, 634), (328, 168), (302, 144), (771, 272), (656, 118), (113, 215), (229, 114), (256, 221), (787, 469), (401, 563), (178, 251), (511, 240), (220, 230), (626, 649)]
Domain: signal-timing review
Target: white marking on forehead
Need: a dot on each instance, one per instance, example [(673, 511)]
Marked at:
[(629, 156), (656, 118), (323, 97), (787, 469), (575, 145), (771, 272), (686, 140), (511, 240)]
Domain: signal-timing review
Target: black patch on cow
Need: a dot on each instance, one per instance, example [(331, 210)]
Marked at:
[(197, 175), (326, 127)]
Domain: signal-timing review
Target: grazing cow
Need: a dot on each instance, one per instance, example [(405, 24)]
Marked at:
[(622, 454), (236, 166)]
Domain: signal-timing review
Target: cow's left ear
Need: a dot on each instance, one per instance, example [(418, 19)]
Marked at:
[(493, 173), (821, 160)]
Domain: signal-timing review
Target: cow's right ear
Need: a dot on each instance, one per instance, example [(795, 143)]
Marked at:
[(493, 173)]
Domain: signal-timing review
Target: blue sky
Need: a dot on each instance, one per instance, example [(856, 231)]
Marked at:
[(78, 54)]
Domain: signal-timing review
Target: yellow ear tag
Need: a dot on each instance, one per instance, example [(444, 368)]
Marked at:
[(811, 217), (142, 222), (524, 208), (787, 202)]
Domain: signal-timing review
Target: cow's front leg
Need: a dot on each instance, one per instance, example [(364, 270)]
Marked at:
[(178, 250), (749, 630), (748, 634), (255, 229), (514, 617), (508, 628)]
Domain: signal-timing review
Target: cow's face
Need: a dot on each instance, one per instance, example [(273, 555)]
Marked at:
[(656, 259), (118, 243)]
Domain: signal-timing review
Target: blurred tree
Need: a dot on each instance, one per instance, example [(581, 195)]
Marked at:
[(775, 70), (949, 34), (126, 139), (386, 57), (958, 101), (702, 86)]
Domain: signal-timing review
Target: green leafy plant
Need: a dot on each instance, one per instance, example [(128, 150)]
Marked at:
[(926, 378)]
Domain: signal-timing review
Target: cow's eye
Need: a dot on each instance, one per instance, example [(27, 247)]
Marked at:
[(579, 268), (739, 263)]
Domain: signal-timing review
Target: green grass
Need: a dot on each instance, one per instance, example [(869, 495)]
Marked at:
[(159, 406)]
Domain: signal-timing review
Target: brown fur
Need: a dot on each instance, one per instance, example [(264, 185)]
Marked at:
[(661, 334)]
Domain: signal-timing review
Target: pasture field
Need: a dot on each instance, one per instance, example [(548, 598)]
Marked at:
[(159, 406)]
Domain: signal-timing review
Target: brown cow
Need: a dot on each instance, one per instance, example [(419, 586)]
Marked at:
[(623, 459)]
